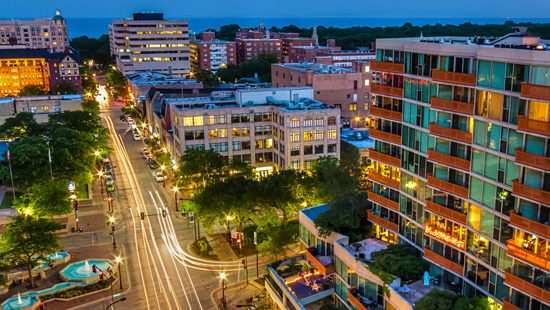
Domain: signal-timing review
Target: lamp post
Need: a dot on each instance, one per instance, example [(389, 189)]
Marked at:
[(122, 299), (227, 219), (112, 221), (75, 206), (96, 153), (100, 173), (162, 168), (175, 196), (27, 212), (222, 276), (118, 260), (256, 246)]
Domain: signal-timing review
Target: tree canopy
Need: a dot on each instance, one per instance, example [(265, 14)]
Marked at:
[(260, 65), (199, 167), (32, 90), (92, 48), (446, 300), (46, 199), (401, 261), (64, 88)]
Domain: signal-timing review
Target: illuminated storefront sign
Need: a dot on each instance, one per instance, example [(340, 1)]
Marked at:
[(440, 235)]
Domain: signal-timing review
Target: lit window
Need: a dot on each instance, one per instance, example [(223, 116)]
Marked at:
[(188, 121), (331, 134), (367, 82), (353, 106), (367, 70), (319, 135), (332, 120), (294, 137), (308, 122), (294, 123), (198, 120), (319, 121), (308, 136)]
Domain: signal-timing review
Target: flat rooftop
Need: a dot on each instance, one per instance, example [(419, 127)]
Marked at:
[(363, 249), (316, 68), (212, 103), (212, 41), (357, 138)]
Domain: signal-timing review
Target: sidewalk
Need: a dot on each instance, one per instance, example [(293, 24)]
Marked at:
[(221, 247), (92, 217), (239, 294)]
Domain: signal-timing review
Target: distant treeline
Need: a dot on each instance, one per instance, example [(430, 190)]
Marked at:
[(354, 37)]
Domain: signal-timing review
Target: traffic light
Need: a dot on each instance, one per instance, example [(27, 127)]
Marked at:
[(75, 204), (224, 287), (244, 263), (142, 216), (113, 227)]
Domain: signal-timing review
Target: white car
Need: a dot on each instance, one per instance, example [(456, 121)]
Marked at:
[(108, 179), (136, 137), (159, 177), (146, 154)]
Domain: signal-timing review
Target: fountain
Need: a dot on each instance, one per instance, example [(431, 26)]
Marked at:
[(82, 271), (21, 303), (86, 266)]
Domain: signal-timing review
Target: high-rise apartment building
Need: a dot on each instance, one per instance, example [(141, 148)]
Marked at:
[(148, 42), (50, 33), (462, 158), (211, 54)]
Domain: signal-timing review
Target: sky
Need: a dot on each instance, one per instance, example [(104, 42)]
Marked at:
[(24, 9)]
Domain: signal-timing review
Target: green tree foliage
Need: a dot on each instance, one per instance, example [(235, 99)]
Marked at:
[(29, 161), (21, 125), (87, 80), (64, 88), (227, 32), (475, 303), (32, 90), (207, 78), (436, 300), (399, 260), (46, 199), (332, 180), (91, 106), (93, 49), (260, 65), (279, 236), (27, 238), (345, 215), (199, 167), (117, 81)]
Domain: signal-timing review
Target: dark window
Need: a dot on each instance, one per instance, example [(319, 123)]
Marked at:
[(319, 149), (331, 148), (308, 149)]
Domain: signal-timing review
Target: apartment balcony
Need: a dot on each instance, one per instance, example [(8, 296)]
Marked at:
[(387, 66), (443, 262), (528, 225), (453, 77), (383, 201), (449, 187), (535, 91), (519, 252), (325, 268), (386, 90), (380, 221), (530, 193), (384, 113), (526, 287), (384, 158), (533, 126), (358, 301), (452, 106), (449, 160), (452, 134), (386, 136), (445, 212), (507, 305), (384, 180), (532, 160)]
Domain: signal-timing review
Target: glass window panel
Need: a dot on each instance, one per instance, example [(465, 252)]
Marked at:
[(491, 166), (494, 137), (478, 161), (444, 119), (406, 111), (499, 69), (480, 133), (484, 73), (474, 217), (540, 75), (534, 145), (512, 172), (476, 187), (515, 140), (487, 222), (445, 92), (532, 178), (489, 194), (538, 111)]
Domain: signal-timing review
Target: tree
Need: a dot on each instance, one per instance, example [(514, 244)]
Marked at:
[(117, 81), (87, 80), (399, 260), (27, 238), (21, 125), (94, 49), (345, 215), (207, 78), (46, 199), (279, 236), (331, 179), (474, 303), (436, 300), (29, 162), (200, 167), (227, 32), (229, 74), (92, 107), (64, 88), (32, 90)]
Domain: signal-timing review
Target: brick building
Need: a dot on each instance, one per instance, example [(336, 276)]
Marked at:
[(211, 54), (344, 59), (255, 44)]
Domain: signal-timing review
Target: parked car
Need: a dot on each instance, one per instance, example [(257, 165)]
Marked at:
[(108, 179), (111, 187), (108, 168), (152, 163), (105, 159), (136, 137), (158, 176), (146, 154)]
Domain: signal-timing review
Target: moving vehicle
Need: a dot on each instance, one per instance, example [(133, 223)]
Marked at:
[(108, 179)]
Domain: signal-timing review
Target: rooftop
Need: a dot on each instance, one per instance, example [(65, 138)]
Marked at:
[(212, 41), (155, 78), (316, 67), (357, 138), (37, 98), (363, 249)]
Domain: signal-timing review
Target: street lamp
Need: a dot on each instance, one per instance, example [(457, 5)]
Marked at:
[(96, 153), (222, 276), (118, 260), (112, 221), (122, 299), (27, 212), (100, 173), (228, 218), (175, 196), (75, 206), (256, 245)]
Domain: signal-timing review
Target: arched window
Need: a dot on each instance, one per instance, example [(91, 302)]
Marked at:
[(308, 122), (294, 123), (332, 120), (319, 121)]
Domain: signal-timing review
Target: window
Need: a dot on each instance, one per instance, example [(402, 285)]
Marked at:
[(308, 122), (353, 106), (331, 134), (236, 145), (211, 119), (307, 164), (367, 82), (188, 121), (294, 137), (245, 145), (308, 136), (214, 147), (57, 108), (223, 147), (236, 132), (259, 144), (331, 148), (295, 164), (319, 135), (332, 120), (222, 133), (212, 133), (295, 151), (294, 123), (319, 149), (338, 106), (198, 121), (308, 150), (319, 121)]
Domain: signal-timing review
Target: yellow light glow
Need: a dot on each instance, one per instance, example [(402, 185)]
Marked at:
[(176, 188), (100, 173), (175, 167), (228, 217), (357, 119), (162, 167), (111, 219), (96, 153), (410, 184), (222, 275), (304, 204), (72, 196), (118, 259), (28, 211), (164, 150)]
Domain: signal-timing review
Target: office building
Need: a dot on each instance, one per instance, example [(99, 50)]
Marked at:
[(148, 42), (269, 128), (461, 129), (50, 33), (211, 54), (341, 88), (39, 106)]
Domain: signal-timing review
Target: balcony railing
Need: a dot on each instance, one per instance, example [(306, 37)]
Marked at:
[(387, 159), (448, 187), (454, 77), (507, 305), (382, 221), (386, 136), (386, 90), (533, 126), (443, 262), (453, 106), (533, 160), (449, 160), (326, 270), (387, 66), (354, 301), (384, 180), (384, 113), (445, 212), (530, 192), (526, 287), (449, 133), (383, 201), (529, 225), (535, 91), (519, 252)]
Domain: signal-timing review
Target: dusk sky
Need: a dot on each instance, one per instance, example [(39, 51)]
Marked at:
[(282, 8)]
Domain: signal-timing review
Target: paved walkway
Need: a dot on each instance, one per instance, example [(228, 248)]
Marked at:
[(221, 247), (240, 294)]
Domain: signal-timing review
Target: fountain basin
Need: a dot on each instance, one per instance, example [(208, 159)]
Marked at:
[(57, 288), (82, 271), (27, 303)]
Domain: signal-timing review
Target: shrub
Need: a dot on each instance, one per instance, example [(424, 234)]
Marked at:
[(203, 246)]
